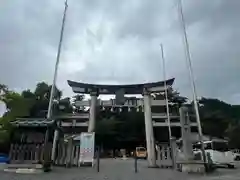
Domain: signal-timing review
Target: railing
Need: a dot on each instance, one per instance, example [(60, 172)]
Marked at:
[(73, 116), (74, 124), (33, 153)]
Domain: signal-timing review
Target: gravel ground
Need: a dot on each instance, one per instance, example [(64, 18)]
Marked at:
[(117, 169)]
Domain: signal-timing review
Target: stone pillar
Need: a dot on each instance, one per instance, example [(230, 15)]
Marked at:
[(186, 134), (69, 152), (92, 112), (151, 155), (173, 145), (46, 149), (54, 147)]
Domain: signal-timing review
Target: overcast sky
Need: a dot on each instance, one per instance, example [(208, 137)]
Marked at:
[(115, 42)]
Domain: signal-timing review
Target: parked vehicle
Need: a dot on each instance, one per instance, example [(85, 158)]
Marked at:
[(217, 152), (141, 152), (4, 158)]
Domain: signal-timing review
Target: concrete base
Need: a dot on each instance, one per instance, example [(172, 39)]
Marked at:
[(193, 168), (3, 166), (22, 168), (124, 157), (24, 171), (86, 164)]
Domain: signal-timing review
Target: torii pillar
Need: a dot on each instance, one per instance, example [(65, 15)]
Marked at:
[(151, 155), (92, 112)]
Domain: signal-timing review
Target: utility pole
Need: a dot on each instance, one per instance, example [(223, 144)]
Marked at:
[(190, 71)]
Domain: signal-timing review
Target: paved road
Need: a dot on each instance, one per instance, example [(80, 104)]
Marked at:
[(221, 174), (117, 169)]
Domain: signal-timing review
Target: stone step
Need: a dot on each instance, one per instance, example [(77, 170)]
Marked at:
[(24, 170), (25, 166)]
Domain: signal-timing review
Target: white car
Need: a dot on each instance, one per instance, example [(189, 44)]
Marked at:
[(217, 152)]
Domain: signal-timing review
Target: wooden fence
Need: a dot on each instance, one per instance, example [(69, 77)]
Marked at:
[(28, 153)]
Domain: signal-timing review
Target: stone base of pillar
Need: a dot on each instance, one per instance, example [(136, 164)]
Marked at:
[(191, 167), (124, 157), (194, 167)]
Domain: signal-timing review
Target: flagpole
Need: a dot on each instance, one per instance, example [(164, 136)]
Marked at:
[(190, 71), (166, 93), (167, 107), (49, 114), (51, 98)]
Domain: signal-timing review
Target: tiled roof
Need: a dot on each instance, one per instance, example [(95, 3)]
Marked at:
[(32, 122)]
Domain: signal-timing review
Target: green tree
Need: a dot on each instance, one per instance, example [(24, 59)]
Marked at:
[(232, 133), (64, 106), (17, 106), (78, 97), (42, 96), (106, 132), (28, 94), (218, 118), (43, 90), (27, 104)]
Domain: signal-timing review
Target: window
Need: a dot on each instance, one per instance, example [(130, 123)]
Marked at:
[(220, 146), (207, 145), (141, 149)]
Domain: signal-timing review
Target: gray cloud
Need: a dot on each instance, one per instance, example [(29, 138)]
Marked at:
[(118, 42)]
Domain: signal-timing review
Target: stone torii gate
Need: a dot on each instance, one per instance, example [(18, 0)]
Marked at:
[(146, 89)]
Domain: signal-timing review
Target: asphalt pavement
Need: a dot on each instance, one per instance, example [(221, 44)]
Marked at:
[(118, 169)]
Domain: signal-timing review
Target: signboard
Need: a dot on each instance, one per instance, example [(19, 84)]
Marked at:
[(87, 141)]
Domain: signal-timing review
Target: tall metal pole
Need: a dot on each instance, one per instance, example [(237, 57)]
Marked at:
[(190, 70), (49, 114), (167, 105), (166, 93)]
